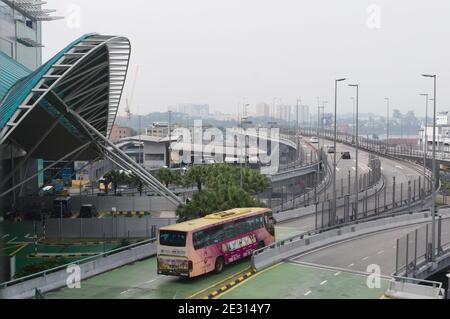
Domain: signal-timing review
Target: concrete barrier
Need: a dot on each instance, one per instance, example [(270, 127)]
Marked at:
[(57, 278), (402, 289)]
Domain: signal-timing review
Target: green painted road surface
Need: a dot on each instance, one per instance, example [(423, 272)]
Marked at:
[(140, 281), (294, 281)]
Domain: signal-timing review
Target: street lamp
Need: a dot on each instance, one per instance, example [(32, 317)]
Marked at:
[(353, 119), (334, 144), (356, 147), (387, 124), (425, 140), (433, 178)]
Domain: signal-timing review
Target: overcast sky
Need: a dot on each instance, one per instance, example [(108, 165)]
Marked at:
[(220, 51)]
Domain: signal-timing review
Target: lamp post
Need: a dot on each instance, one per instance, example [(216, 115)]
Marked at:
[(387, 124), (433, 177), (353, 119), (425, 141), (356, 146), (334, 144), (169, 133)]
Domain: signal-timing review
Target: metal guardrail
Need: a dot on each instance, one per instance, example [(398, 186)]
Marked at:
[(78, 262), (406, 287), (301, 236)]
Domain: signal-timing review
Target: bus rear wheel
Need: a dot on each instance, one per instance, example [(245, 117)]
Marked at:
[(218, 268)]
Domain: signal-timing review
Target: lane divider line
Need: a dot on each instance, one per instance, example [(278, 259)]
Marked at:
[(22, 246)]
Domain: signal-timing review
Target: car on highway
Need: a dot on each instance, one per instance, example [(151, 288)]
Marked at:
[(314, 140), (346, 155), (331, 149)]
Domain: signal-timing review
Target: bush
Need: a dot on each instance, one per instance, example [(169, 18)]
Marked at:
[(41, 266)]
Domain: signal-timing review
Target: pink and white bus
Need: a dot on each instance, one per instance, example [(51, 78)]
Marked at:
[(202, 245)]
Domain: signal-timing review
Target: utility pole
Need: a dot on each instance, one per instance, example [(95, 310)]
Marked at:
[(425, 142), (434, 177), (356, 148), (296, 128), (334, 157), (387, 124), (169, 133)]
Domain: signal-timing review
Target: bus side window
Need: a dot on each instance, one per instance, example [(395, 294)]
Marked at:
[(217, 235), (229, 231), (200, 239), (259, 222)]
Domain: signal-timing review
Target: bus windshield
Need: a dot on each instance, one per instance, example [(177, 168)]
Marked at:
[(172, 238)]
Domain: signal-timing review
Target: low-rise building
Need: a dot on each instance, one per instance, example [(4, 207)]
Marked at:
[(118, 132)]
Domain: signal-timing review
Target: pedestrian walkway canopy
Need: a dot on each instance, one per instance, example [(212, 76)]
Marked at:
[(65, 110), (86, 77)]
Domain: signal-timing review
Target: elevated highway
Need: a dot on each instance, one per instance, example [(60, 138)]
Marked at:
[(139, 280)]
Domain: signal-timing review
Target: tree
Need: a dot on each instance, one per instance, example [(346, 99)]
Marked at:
[(135, 181), (197, 175), (115, 177), (166, 176), (222, 190)]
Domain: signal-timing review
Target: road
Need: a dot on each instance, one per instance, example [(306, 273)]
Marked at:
[(403, 172), (358, 253), (140, 280)]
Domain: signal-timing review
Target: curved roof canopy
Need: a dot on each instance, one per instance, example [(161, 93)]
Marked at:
[(86, 77)]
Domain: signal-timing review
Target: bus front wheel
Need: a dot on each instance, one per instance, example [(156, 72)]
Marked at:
[(219, 265)]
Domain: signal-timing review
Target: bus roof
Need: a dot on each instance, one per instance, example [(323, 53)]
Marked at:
[(215, 218)]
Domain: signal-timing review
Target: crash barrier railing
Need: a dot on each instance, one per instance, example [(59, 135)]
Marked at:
[(411, 288), (320, 207), (344, 188), (300, 243), (383, 199), (414, 250), (55, 278)]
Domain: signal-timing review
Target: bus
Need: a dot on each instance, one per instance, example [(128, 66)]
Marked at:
[(202, 245)]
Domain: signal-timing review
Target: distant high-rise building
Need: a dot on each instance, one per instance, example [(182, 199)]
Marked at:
[(284, 112), (262, 110), (201, 110), (303, 114)]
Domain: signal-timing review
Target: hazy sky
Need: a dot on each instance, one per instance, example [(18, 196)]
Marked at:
[(218, 52)]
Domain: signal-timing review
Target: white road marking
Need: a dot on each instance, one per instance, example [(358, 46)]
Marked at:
[(338, 169), (150, 281), (11, 240), (125, 291), (398, 166), (365, 258), (323, 282), (354, 168), (4, 236), (380, 252), (351, 265), (27, 235), (337, 273), (308, 292)]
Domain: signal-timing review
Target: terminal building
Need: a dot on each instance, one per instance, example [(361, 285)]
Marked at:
[(442, 130)]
